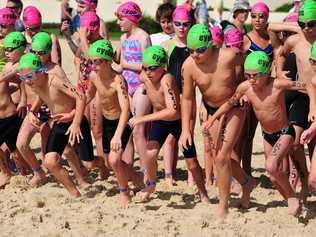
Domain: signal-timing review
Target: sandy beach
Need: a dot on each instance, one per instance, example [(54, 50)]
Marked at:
[(173, 211)]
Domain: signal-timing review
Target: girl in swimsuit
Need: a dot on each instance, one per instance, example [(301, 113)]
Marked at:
[(129, 55)]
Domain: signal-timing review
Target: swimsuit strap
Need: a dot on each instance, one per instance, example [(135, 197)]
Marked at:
[(254, 47)]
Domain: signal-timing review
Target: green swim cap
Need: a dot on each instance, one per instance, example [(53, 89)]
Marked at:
[(29, 61), (41, 42), (258, 61), (155, 56), (15, 40), (307, 11), (198, 36), (101, 49)]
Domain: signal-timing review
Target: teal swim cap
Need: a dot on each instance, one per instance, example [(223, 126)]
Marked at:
[(155, 56), (258, 61), (101, 49)]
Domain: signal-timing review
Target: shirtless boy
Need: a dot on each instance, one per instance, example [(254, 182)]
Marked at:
[(164, 96), (10, 121), (112, 90), (212, 70), (61, 97), (310, 133), (266, 94)]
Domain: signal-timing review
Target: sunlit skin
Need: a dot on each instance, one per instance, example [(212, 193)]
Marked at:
[(6, 30)]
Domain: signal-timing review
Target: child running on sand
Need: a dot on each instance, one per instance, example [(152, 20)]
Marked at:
[(112, 89), (10, 121), (164, 96), (266, 94), (61, 97)]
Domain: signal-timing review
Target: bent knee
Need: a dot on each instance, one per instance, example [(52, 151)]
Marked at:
[(22, 146), (51, 160), (114, 161), (221, 160), (271, 166)]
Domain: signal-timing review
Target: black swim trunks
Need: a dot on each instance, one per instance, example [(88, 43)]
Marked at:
[(210, 110), (159, 130), (43, 113), (57, 140), (109, 128), (272, 138), (297, 103), (10, 128)]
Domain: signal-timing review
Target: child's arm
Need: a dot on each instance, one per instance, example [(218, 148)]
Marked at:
[(7, 74), (281, 57), (169, 113), (278, 27), (92, 90), (67, 88), (284, 84), (56, 51), (64, 5), (308, 134), (225, 108), (121, 88)]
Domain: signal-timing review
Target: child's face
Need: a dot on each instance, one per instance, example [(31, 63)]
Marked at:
[(124, 24), (181, 28), (256, 79), (13, 55), (153, 73), (166, 26)]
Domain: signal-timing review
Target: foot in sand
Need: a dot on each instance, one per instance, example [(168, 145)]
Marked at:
[(38, 179), (170, 180), (125, 197), (4, 179), (138, 180), (149, 189), (222, 213), (251, 184), (294, 207)]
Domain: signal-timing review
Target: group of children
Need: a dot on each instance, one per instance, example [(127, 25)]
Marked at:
[(144, 93)]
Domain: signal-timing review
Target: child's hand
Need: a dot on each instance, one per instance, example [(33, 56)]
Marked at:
[(307, 135), (74, 133)]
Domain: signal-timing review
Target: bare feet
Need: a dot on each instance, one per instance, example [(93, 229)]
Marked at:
[(204, 198), (4, 179), (125, 197), (294, 207), (83, 184), (169, 179), (222, 213), (149, 189), (246, 191), (38, 180)]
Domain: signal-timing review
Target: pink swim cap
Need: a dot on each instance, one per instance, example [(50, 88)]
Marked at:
[(32, 16), (292, 17), (261, 7), (233, 37), (90, 20), (129, 10), (181, 13), (91, 3), (217, 35), (7, 16)]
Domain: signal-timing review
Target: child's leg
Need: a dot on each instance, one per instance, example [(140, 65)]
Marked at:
[(52, 164), (169, 158), (312, 175), (25, 136), (5, 174), (273, 162), (75, 165)]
